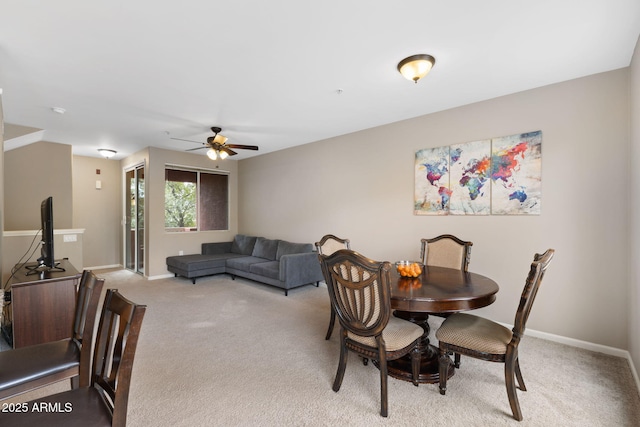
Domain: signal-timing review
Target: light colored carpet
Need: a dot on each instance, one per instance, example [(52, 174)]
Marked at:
[(237, 353)]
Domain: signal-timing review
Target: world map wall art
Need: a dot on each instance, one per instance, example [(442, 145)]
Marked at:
[(499, 176)]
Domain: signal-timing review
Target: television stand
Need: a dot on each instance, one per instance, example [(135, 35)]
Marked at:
[(42, 307)]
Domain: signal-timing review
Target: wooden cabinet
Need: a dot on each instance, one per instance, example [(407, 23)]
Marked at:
[(43, 305)]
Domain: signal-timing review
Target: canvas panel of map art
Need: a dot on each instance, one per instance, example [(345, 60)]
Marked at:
[(431, 191), (516, 167), (470, 165)]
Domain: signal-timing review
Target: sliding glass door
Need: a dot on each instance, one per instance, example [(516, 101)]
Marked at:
[(134, 219)]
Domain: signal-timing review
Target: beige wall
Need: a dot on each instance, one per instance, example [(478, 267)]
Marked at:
[(159, 243), (98, 211), (361, 185), (16, 131), (71, 180), (634, 226), (33, 173), (23, 246)]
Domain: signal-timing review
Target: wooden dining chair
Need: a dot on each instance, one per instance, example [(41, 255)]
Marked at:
[(486, 340), (447, 251), (28, 368), (105, 400), (360, 295), (326, 246)]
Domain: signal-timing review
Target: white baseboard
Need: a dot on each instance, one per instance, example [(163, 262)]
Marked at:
[(633, 371), (160, 276), (611, 351), (103, 267)]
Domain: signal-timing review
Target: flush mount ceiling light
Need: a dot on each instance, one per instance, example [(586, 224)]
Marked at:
[(416, 67), (106, 153)]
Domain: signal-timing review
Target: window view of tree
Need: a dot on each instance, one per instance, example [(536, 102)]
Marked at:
[(196, 200), (180, 204), (137, 220)]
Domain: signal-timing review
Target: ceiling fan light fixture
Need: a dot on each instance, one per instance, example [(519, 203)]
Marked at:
[(416, 67), (220, 139), (217, 147)]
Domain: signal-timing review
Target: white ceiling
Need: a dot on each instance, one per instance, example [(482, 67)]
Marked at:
[(130, 74)]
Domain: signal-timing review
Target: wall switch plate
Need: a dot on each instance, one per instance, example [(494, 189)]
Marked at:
[(69, 238), (98, 185), (180, 252)]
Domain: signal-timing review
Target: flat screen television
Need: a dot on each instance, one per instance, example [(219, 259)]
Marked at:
[(46, 261)]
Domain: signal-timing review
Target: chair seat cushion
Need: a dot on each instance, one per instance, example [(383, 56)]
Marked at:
[(398, 334), (30, 363), (474, 333), (80, 407)]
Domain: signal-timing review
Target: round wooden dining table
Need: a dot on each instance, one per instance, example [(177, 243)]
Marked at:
[(437, 290)]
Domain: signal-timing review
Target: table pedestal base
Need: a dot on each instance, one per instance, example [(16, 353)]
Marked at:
[(429, 365)]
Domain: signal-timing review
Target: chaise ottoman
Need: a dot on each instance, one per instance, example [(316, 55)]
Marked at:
[(198, 265)]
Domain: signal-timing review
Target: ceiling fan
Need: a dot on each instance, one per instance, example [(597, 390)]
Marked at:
[(217, 145)]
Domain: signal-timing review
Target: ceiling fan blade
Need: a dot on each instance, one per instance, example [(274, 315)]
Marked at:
[(242, 147), (227, 150), (218, 142)]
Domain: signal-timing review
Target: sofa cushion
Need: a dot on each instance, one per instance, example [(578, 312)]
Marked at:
[(265, 248), (269, 269), (243, 263), (242, 244), (288, 248)]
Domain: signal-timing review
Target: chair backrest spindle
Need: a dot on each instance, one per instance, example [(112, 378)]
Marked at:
[(534, 278), (359, 290), (115, 349)]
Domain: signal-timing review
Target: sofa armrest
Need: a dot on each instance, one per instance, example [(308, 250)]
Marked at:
[(216, 248), (300, 269)]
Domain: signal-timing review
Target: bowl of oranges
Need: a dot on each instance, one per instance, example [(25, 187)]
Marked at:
[(409, 268)]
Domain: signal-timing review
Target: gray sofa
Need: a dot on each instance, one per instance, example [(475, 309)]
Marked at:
[(275, 262)]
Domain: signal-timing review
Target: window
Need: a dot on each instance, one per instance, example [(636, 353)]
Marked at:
[(195, 200)]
